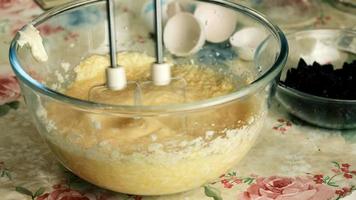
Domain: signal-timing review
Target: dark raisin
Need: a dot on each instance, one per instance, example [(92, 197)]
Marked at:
[(323, 80)]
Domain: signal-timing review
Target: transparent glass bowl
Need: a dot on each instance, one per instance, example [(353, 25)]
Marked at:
[(345, 5), (296, 14), (322, 45), (208, 136)]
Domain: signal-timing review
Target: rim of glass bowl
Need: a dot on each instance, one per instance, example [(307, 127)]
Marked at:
[(308, 96), (160, 109), (347, 6)]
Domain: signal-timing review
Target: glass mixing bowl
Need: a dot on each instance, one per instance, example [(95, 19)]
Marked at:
[(146, 149), (297, 14), (333, 46), (344, 5)]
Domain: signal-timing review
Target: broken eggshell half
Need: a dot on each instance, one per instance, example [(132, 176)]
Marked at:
[(183, 34), (247, 40), (219, 22)]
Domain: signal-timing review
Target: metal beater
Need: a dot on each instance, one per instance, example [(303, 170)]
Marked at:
[(116, 81)]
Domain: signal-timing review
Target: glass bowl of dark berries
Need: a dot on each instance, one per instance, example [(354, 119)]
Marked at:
[(318, 84)]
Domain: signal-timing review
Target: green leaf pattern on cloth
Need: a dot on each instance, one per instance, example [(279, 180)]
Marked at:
[(212, 192)]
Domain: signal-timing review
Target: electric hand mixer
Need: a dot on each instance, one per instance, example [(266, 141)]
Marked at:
[(141, 93)]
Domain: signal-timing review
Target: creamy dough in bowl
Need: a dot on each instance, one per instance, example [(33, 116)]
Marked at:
[(159, 154)]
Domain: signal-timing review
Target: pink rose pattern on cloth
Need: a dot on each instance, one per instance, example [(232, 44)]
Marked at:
[(282, 188), (14, 6), (63, 193), (9, 89)]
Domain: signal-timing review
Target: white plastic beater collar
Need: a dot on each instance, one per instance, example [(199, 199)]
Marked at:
[(115, 75), (161, 74), (116, 78), (161, 71)]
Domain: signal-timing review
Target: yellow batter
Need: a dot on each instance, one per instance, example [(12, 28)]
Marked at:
[(157, 154)]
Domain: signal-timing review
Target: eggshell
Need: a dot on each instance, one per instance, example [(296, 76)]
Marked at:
[(219, 22), (247, 40), (183, 34)]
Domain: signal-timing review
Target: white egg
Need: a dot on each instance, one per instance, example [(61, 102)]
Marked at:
[(219, 22), (247, 40)]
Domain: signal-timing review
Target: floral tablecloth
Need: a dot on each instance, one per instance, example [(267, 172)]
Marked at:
[(290, 161)]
